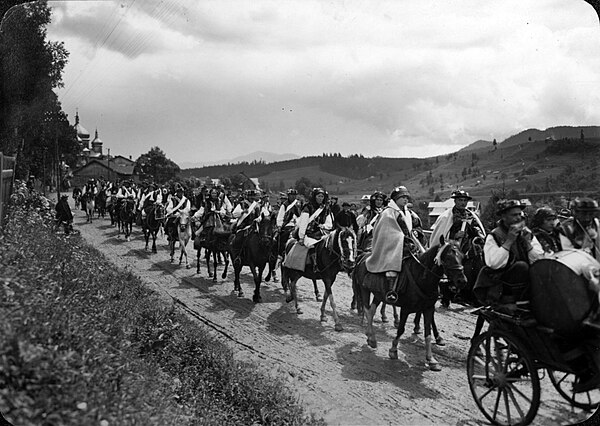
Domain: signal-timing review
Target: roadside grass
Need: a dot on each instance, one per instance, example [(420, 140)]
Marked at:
[(82, 343)]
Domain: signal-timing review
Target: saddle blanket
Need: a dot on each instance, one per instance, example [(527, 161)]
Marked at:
[(296, 257), (376, 283)]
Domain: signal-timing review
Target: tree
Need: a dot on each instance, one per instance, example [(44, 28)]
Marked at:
[(156, 166), (304, 186), (30, 68)]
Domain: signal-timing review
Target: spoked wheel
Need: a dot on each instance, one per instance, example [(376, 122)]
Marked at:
[(502, 378), (564, 382)]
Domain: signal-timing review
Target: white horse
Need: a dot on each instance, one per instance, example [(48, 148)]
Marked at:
[(184, 233), (90, 205)]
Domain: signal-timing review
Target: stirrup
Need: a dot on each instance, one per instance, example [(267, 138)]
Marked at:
[(391, 297)]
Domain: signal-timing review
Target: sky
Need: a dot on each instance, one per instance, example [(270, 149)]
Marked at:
[(212, 80)]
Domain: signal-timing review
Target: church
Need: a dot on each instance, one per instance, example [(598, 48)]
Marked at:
[(93, 163)]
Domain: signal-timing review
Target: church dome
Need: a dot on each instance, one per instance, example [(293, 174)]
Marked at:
[(81, 131)]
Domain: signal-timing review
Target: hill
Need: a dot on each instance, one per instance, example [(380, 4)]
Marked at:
[(267, 157), (540, 168), (477, 145)]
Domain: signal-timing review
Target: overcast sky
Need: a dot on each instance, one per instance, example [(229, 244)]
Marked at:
[(208, 80)]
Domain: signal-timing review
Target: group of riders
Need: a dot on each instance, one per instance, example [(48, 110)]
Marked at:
[(386, 227)]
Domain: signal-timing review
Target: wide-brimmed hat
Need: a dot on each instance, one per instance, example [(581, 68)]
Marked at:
[(459, 193), (504, 205), (586, 205), (291, 191)]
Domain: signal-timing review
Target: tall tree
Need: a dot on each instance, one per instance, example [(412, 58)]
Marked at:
[(156, 166), (30, 68)]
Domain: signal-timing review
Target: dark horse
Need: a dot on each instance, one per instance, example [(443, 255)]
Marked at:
[(420, 277), (126, 216), (473, 262), (335, 253), (101, 204), (251, 247), (214, 238), (155, 215)]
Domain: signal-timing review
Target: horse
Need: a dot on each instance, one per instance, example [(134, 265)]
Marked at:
[(420, 277), (472, 263), (214, 238), (155, 214), (77, 196), (126, 216), (280, 239), (179, 229), (88, 204), (334, 253), (100, 201), (250, 246)]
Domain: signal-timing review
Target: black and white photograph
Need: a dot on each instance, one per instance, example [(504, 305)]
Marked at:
[(299, 212)]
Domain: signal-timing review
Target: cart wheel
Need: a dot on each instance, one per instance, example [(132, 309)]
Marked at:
[(502, 378), (563, 382)]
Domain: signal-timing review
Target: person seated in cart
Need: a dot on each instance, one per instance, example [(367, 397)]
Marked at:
[(545, 228), (582, 230), (509, 250)]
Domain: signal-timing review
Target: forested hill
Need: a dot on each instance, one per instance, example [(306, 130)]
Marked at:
[(354, 166)]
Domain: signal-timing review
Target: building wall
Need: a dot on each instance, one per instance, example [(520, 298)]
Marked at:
[(93, 170)]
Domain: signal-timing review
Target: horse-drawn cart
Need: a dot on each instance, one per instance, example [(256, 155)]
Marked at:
[(523, 342)]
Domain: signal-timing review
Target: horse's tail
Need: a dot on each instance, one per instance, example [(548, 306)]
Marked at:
[(360, 293)]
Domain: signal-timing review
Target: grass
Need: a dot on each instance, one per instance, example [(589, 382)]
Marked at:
[(84, 343)]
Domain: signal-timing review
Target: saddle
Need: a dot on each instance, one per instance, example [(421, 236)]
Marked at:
[(297, 255)]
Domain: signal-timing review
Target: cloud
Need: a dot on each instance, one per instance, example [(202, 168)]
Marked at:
[(380, 78)]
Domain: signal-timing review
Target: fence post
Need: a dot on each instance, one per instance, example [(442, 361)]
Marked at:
[(6, 183)]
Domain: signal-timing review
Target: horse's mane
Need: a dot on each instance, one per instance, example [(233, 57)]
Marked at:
[(428, 258)]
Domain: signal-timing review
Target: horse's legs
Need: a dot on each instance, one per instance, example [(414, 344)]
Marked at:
[(430, 360), (215, 255), (396, 316), (329, 295), (154, 241), (417, 323), (293, 294), (316, 288), (237, 267), (393, 352), (257, 274), (226, 259), (382, 311), (370, 314)]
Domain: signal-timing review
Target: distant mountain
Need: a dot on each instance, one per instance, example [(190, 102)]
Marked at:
[(556, 133), (477, 145), (267, 157), (532, 135)]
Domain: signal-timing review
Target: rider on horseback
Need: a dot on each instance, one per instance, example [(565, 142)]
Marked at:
[(391, 234), (459, 223), (315, 222), (178, 203), (287, 219), (366, 221)]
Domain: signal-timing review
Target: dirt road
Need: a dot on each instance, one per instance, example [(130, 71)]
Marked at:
[(335, 374)]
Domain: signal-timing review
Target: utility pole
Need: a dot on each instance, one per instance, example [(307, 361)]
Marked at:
[(57, 159)]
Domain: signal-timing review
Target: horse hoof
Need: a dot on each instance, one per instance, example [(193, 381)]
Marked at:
[(319, 298), (393, 353), (323, 318), (256, 299), (188, 266), (417, 331), (338, 327), (372, 342), (224, 276), (289, 298), (396, 323), (434, 366), (299, 311), (384, 319), (440, 341), (240, 294), (353, 306), (172, 261), (275, 280)]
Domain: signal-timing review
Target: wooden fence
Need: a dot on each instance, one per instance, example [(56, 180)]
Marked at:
[(7, 177)]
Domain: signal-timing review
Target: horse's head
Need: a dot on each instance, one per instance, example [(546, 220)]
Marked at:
[(184, 221), (346, 241), (450, 258), (266, 229)]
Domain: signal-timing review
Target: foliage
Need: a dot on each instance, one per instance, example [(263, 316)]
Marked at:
[(304, 186), (32, 124), (84, 343), (156, 166)]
